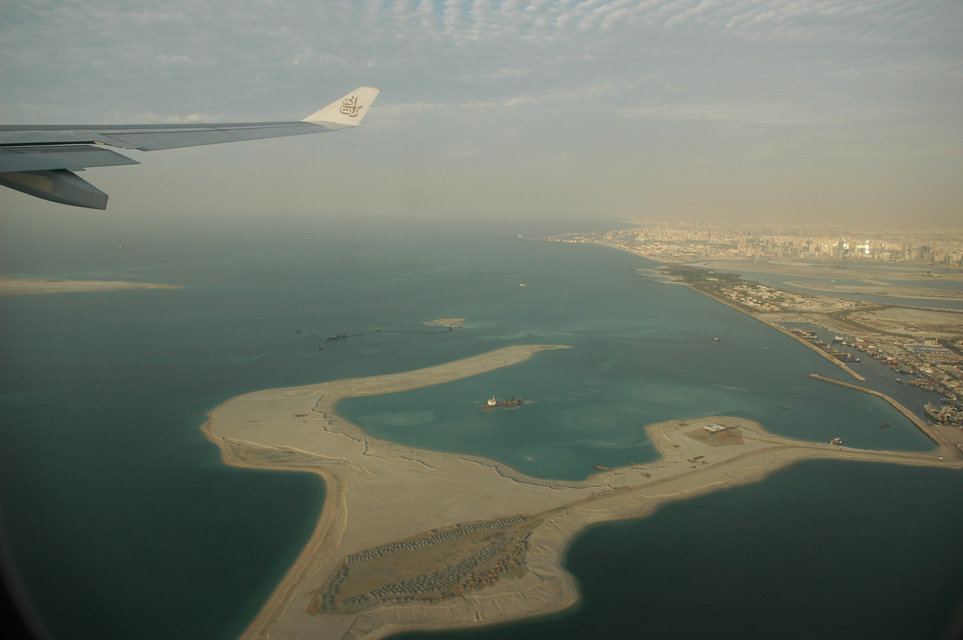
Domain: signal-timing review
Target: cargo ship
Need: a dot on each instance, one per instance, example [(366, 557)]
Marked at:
[(495, 404)]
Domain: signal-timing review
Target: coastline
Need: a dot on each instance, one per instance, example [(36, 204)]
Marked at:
[(380, 495), (780, 329), (36, 286), (921, 424), (776, 326)]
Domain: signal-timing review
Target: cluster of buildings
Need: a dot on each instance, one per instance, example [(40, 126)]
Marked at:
[(502, 554), (511, 561), (763, 298), (690, 241), (934, 365), (442, 582), (428, 541)]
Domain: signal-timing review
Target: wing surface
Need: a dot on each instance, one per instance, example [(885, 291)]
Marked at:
[(39, 160)]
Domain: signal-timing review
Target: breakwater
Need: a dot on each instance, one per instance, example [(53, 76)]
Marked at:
[(732, 305), (931, 432)]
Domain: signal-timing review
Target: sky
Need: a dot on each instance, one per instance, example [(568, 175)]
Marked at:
[(792, 110)]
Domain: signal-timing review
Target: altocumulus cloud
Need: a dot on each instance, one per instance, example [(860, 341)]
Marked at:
[(615, 83)]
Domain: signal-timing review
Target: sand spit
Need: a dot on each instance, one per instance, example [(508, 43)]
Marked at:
[(33, 286), (447, 322), (881, 289), (414, 539)]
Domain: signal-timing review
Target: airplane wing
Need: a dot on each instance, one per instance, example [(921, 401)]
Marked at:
[(41, 160)]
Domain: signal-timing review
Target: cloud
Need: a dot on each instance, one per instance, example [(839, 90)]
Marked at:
[(770, 114), (174, 59), (154, 118), (535, 80)]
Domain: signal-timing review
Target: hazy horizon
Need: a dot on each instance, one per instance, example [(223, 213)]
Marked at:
[(758, 110)]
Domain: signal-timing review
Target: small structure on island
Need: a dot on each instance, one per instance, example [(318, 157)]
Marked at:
[(715, 428)]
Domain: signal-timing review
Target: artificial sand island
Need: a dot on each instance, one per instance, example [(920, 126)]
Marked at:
[(35, 286), (414, 539)]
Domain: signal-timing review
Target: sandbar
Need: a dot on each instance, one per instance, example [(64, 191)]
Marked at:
[(34, 286), (830, 269), (881, 289), (913, 322), (447, 322), (414, 539)]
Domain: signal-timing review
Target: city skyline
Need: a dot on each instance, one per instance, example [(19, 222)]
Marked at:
[(682, 241), (687, 109)]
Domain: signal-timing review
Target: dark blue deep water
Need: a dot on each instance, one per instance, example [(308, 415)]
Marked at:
[(120, 521)]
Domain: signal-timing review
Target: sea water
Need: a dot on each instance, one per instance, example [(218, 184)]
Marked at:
[(824, 549), (122, 522)]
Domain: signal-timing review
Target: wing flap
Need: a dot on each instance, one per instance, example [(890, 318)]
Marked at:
[(59, 157)]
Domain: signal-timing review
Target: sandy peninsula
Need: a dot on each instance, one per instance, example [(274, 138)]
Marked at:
[(880, 289), (414, 539), (34, 286)]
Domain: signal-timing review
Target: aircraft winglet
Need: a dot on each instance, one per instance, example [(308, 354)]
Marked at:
[(348, 111)]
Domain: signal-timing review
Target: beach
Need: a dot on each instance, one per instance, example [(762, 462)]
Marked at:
[(417, 539)]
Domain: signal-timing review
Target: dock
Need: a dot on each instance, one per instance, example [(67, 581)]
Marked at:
[(928, 429)]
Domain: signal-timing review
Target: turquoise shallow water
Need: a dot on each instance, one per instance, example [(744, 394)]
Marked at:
[(123, 523), (642, 352)]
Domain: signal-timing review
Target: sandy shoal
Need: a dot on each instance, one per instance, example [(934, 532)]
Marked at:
[(34, 286), (379, 492), (881, 289), (446, 322), (825, 268)]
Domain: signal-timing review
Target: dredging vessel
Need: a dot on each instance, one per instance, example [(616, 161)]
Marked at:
[(495, 404)]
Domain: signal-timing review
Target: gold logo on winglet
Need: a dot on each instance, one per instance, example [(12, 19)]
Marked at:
[(350, 107)]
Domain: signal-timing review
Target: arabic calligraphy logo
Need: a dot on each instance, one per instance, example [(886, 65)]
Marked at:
[(350, 107)]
